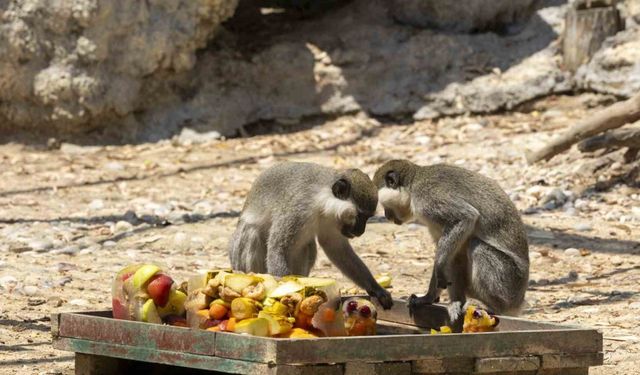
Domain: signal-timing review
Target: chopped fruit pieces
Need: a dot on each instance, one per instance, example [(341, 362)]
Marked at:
[(218, 311), (159, 288), (243, 308), (120, 311), (310, 304), (384, 280), (238, 281), (256, 292), (277, 309), (277, 324), (143, 274), (478, 320), (175, 306), (443, 330), (150, 313), (298, 333), (285, 289), (253, 326)]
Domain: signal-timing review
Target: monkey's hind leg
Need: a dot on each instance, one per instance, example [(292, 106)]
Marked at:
[(304, 259), (496, 279), (247, 251)]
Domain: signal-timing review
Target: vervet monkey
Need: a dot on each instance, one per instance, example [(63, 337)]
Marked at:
[(481, 250), (292, 204)]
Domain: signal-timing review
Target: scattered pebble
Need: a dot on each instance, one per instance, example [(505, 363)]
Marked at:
[(79, 302), (572, 252), (616, 260), (583, 227), (122, 227), (180, 239), (114, 166), (69, 250), (96, 204), (36, 301), (30, 290), (109, 244), (8, 283), (40, 246)]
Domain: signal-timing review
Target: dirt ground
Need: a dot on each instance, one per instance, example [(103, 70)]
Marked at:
[(71, 217)]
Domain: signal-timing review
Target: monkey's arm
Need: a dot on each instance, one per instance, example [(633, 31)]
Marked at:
[(280, 243), (340, 252)]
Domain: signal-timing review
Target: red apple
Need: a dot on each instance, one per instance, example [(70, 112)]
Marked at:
[(120, 311), (159, 288)]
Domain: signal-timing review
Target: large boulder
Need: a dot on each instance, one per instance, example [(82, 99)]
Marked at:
[(464, 16), (615, 68), (74, 65)]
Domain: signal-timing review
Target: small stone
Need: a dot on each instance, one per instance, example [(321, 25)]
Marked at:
[(63, 281), (114, 166), (64, 267), (40, 246), (55, 301), (531, 210), (571, 211), (36, 301), (581, 204), (585, 252), (96, 204), (8, 283), (543, 282), (635, 305), (203, 208), (130, 217), (423, 140), (122, 227), (616, 260), (534, 255), (549, 206), (544, 252), (79, 302), (189, 136), (180, 239), (109, 244), (69, 250), (583, 227), (413, 227), (535, 191), (30, 290), (572, 252)]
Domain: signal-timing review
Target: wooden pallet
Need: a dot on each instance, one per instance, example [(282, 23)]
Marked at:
[(107, 346)]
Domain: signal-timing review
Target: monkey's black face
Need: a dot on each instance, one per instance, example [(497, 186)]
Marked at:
[(358, 228)]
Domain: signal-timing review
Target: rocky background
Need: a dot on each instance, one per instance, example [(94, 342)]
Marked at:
[(137, 71)]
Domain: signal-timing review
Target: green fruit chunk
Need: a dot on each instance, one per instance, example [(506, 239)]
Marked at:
[(285, 289), (175, 306), (277, 309), (238, 281), (150, 313), (277, 324), (143, 274), (253, 326)]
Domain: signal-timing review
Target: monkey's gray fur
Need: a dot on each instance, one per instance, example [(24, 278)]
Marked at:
[(292, 204), (482, 249)]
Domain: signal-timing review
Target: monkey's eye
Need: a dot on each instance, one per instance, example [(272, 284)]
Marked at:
[(391, 179)]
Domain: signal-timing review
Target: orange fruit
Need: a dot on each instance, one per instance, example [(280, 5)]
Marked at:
[(217, 311)]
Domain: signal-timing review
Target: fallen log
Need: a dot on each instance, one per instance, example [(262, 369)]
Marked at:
[(612, 117), (612, 139)]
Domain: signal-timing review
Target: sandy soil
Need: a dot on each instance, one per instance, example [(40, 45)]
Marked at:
[(70, 218)]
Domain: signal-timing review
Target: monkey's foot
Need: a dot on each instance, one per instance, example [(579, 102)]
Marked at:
[(416, 302), (456, 315)]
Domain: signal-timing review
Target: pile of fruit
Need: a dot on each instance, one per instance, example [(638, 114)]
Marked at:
[(261, 305), (475, 320), (254, 304), (144, 293)]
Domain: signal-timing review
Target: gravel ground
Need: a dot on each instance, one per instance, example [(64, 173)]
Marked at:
[(71, 217)]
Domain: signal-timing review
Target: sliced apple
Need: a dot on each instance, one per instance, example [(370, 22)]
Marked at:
[(384, 280), (150, 313), (285, 289), (159, 289), (238, 281), (143, 274), (253, 326), (175, 305), (120, 310), (298, 333), (278, 325)]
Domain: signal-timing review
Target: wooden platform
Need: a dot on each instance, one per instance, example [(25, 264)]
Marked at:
[(107, 346)]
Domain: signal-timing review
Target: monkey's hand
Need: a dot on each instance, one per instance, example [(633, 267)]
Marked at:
[(416, 302), (383, 296)]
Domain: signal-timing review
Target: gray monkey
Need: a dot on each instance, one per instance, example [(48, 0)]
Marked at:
[(481, 250), (289, 206)]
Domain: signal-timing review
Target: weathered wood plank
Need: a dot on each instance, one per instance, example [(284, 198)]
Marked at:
[(443, 365), (572, 360), (171, 358), (144, 335), (337, 369), (506, 364), (414, 347), (250, 348), (380, 368)]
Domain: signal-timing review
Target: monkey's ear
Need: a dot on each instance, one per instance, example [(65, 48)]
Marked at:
[(392, 180), (341, 189)]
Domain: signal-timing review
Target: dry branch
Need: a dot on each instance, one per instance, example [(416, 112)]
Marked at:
[(612, 117), (612, 139)]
